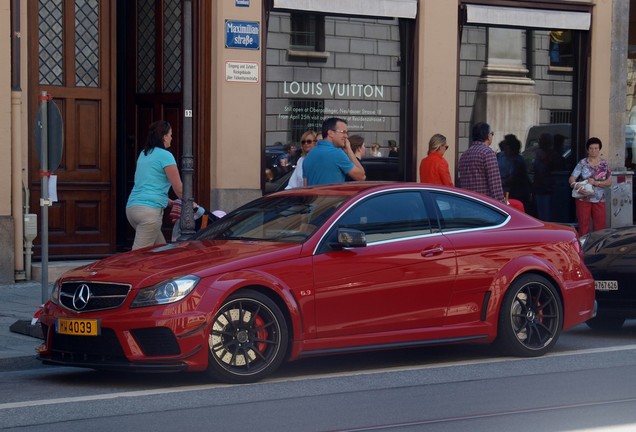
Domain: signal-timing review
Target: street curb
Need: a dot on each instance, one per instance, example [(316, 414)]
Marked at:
[(26, 328)]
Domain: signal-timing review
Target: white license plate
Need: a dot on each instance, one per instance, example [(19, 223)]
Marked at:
[(606, 285)]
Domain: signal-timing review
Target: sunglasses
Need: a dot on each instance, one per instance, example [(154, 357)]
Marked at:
[(307, 141)]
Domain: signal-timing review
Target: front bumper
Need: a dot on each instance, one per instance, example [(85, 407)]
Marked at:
[(142, 340)]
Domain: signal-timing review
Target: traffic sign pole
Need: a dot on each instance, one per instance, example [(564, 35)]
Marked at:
[(44, 199)]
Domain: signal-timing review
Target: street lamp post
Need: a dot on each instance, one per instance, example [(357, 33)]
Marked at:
[(187, 160)]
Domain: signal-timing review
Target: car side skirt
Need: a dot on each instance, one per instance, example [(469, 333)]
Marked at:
[(376, 347)]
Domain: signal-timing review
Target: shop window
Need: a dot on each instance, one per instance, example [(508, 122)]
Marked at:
[(307, 32), (541, 96), (561, 53)]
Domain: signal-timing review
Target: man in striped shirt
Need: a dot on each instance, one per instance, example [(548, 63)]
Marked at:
[(478, 168)]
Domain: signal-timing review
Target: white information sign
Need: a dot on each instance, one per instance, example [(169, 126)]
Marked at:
[(241, 72)]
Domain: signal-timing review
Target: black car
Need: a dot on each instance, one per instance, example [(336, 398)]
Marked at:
[(376, 168), (382, 168), (610, 255)]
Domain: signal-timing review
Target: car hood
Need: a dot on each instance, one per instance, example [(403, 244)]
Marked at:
[(152, 265), (615, 247)]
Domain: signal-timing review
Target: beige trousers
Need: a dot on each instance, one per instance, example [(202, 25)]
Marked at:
[(147, 224)]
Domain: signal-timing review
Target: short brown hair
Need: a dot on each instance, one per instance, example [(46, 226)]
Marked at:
[(356, 142)]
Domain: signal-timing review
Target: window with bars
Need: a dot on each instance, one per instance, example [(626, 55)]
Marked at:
[(560, 116), (307, 114), (307, 32), (50, 42), (51, 49), (169, 26)]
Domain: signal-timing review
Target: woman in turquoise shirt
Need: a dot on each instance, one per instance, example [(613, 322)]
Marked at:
[(156, 172)]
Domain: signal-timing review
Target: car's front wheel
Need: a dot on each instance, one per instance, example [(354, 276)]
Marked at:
[(248, 339), (531, 317)]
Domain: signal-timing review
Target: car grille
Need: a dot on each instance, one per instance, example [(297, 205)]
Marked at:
[(103, 348), (92, 296), (156, 341)]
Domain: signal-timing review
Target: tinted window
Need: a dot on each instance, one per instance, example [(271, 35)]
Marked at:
[(458, 212), (389, 216)]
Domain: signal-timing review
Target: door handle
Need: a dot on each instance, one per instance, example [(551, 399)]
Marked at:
[(432, 251)]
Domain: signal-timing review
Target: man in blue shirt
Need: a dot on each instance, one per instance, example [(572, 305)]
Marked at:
[(332, 159)]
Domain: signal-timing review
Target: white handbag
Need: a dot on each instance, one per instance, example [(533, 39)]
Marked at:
[(582, 189)]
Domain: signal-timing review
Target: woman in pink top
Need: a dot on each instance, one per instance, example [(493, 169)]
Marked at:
[(434, 168)]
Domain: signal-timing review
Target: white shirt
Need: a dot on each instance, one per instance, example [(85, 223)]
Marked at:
[(296, 179)]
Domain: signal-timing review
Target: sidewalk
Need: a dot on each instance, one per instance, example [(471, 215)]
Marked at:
[(18, 303)]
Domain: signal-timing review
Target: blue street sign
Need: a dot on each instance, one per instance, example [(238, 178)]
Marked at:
[(243, 3), (242, 34)]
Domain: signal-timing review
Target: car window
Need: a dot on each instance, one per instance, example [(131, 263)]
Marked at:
[(287, 219), (389, 216), (457, 213)]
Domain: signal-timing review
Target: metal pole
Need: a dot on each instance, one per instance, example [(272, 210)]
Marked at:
[(44, 199), (187, 159)]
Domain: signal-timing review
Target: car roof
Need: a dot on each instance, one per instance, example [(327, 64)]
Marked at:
[(355, 187)]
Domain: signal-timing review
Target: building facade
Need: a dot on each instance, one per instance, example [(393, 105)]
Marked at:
[(261, 72)]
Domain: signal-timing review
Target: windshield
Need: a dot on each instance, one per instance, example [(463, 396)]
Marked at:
[(287, 218)]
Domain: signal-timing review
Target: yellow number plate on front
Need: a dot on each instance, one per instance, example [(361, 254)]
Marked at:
[(77, 327)]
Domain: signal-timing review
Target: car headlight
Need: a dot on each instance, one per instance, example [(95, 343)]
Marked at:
[(55, 293), (169, 291)]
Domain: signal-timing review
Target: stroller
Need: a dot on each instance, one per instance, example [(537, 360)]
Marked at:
[(202, 218)]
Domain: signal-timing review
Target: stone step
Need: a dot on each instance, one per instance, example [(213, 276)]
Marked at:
[(55, 269)]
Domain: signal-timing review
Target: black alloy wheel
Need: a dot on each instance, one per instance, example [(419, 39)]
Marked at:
[(531, 317), (248, 339)]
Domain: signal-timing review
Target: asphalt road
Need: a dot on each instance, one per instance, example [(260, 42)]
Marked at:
[(587, 383)]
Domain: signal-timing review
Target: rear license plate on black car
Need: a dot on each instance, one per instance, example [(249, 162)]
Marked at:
[(606, 285)]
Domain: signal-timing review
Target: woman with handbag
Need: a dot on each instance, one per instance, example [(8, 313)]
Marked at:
[(590, 192)]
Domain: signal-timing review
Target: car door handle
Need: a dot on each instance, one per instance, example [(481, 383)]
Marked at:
[(432, 251)]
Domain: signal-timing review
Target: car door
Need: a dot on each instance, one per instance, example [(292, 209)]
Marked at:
[(481, 248), (402, 279)]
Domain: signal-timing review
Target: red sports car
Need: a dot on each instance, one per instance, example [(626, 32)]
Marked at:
[(340, 268)]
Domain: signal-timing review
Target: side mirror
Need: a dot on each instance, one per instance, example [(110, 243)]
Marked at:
[(348, 238)]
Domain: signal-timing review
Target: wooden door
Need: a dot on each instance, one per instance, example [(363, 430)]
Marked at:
[(153, 74), (71, 58)]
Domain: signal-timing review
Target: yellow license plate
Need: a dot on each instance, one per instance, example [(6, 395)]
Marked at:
[(77, 327)]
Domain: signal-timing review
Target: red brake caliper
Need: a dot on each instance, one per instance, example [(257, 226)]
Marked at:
[(261, 334)]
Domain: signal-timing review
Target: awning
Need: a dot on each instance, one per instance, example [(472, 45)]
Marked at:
[(380, 8), (529, 18)]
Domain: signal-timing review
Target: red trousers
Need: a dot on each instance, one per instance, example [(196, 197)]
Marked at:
[(586, 211)]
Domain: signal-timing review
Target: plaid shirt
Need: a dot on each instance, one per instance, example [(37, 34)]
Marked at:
[(479, 171)]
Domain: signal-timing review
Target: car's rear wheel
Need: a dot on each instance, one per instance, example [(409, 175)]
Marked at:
[(602, 323), (531, 317), (248, 339)]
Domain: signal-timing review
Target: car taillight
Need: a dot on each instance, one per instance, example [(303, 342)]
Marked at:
[(577, 247)]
